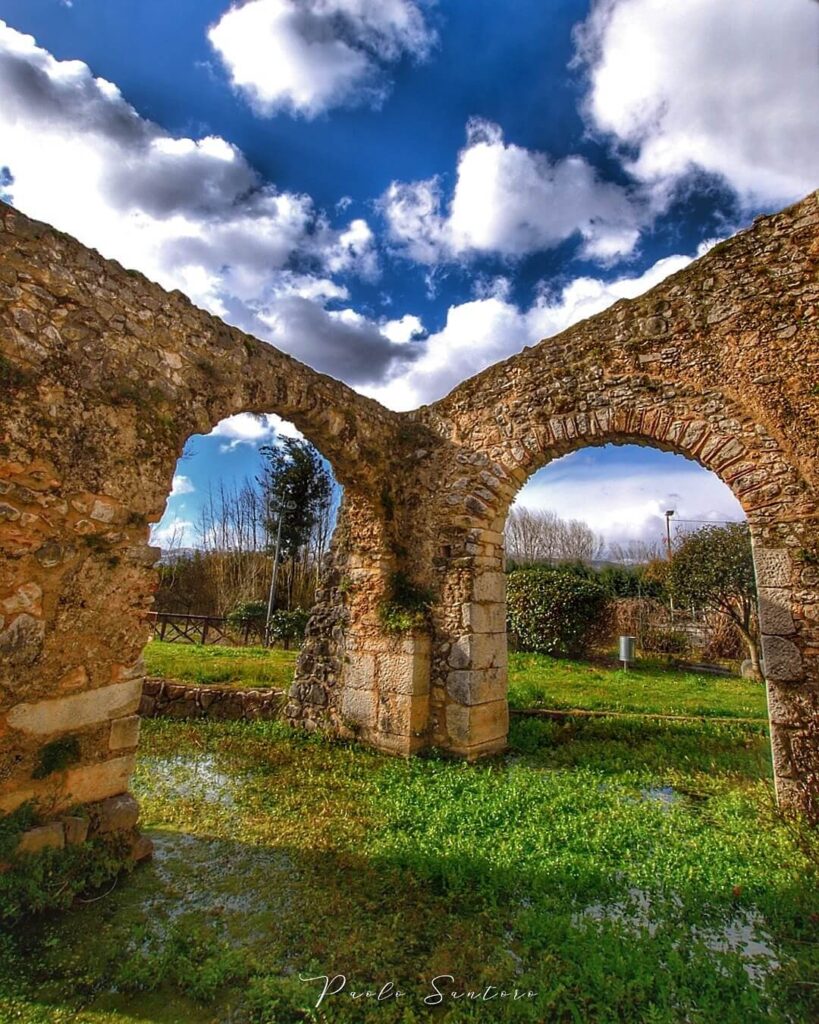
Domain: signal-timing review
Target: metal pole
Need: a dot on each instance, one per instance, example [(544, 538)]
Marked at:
[(272, 595), (668, 516), (669, 513)]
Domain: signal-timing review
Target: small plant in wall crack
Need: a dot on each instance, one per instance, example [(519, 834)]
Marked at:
[(407, 606), (56, 756)]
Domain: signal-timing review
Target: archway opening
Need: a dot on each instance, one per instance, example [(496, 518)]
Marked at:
[(243, 540), (632, 613)]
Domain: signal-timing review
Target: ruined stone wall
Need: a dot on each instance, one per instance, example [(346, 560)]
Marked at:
[(104, 376), (720, 363)]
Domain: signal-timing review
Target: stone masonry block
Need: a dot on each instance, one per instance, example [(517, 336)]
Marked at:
[(783, 661), (477, 724), (775, 611), (359, 671), (96, 781), (359, 707), (772, 567), (489, 586), (76, 830), (781, 752), (484, 618), (404, 672), (401, 714), (124, 732), (116, 814), (480, 650), (77, 710), (43, 837), (477, 686)]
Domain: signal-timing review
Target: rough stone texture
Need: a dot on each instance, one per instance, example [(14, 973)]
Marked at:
[(179, 700), (104, 376), (76, 830), (42, 837), (116, 814)]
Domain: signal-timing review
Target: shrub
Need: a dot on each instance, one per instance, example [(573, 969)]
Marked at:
[(255, 611), (288, 626), (556, 610), (664, 641)]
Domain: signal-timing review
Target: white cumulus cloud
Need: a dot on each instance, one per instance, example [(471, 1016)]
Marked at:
[(181, 484), (490, 328), (245, 428), (511, 201), (727, 87), (307, 56), (623, 502), (189, 213)]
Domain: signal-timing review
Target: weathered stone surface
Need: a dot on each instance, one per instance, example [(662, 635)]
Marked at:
[(124, 733), (782, 658), (116, 814), (775, 615), (717, 362), (77, 710), (477, 686), (359, 672), (478, 724), (479, 651), (76, 830), (773, 567), (359, 708), (22, 641), (94, 781), (43, 837), (143, 849)]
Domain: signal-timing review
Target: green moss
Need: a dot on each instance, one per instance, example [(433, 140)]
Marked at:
[(56, 756), (407, 606)]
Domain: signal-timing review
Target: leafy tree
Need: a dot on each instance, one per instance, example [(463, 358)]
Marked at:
[(714, 568), (298, 488)]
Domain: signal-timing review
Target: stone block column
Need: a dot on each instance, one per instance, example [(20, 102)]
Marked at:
[(789, 625), (471, 712)]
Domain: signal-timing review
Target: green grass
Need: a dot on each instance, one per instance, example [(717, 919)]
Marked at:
[(624, 869), (651, 686), (617, 868), (535, 680), (226, 666)]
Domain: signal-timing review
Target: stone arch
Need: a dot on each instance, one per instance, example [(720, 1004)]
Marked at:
[(689, 367), (103, 376)]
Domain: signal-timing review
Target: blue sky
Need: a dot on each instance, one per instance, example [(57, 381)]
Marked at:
[(402, 192)]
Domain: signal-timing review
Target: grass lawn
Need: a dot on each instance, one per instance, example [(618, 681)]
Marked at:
[(622, 870), (534, 680), (651, 686), (226, 666)]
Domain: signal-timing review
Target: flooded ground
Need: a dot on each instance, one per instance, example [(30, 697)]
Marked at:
[(574, 870)]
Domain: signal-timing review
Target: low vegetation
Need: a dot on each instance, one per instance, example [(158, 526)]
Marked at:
[(242, 667), (535, 680), (569, 867)]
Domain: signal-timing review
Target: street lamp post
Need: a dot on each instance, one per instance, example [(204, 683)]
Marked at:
[(271, 598), (668, 514)]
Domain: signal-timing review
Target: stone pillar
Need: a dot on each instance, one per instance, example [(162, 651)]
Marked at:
[(354, 677), (471, 713), (787, 579)]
